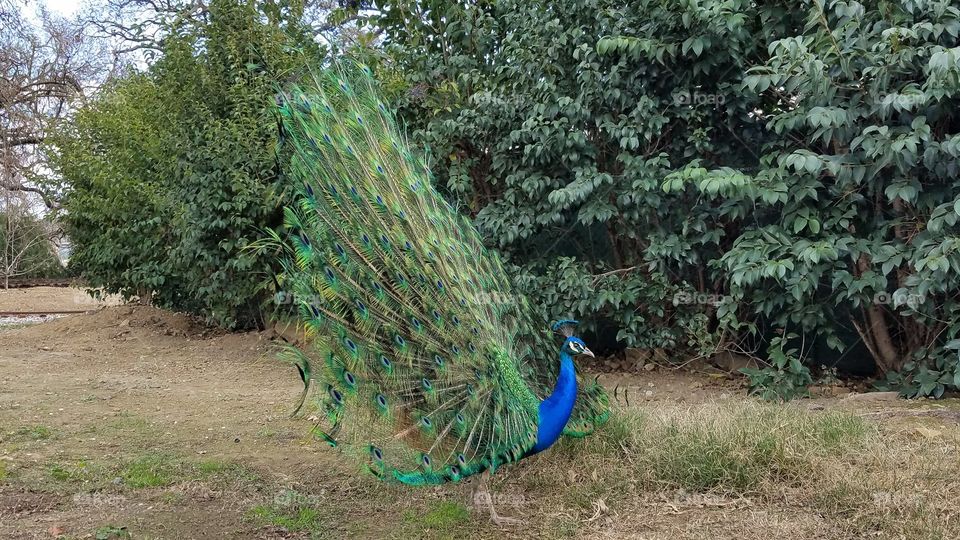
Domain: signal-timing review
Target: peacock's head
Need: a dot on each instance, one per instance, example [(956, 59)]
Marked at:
[(573, 345)]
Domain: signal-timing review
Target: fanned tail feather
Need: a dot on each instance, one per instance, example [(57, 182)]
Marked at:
[(426, 366)]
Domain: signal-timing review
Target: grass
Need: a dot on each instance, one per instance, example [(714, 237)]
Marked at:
[(727, 449), (148, 470), (79, 471), (28, 433), (111, 532), (836, 463), (294, 512), (441, 516), (151, 470), (15, 326), (4, 474)]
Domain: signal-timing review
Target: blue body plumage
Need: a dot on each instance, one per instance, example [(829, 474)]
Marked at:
[(555, 411)]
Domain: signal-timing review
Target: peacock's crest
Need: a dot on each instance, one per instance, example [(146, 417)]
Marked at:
[(423, 363)]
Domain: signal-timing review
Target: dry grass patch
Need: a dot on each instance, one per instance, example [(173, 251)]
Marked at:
[(862, 478)]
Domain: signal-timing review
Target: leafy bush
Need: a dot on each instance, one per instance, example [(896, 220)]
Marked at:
[(785, 378), (795, 166), (170, 174)]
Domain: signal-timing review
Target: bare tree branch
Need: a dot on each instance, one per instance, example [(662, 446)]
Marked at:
[(46, 70)]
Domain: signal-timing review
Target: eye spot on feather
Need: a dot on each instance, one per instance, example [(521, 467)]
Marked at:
[(380, 169), (398, 339), (456, 320), (426, 384), (380, 200), (381, 400), (408, 245), (437, 359), (426, 460), (426, 422), (384, 240), (416, 323), (336, 395), (460, 419), (385, 362), (309, 190), (461, 459), (439, 285), (359, 120), (349, 378), (376, 453), (436, 315), (342, 252), (350, 344), (454, 471), (329, 273)]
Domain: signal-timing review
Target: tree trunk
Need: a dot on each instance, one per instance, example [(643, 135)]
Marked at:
[(875, 332)]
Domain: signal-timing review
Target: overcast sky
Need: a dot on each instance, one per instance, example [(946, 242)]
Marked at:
[(65, 7)]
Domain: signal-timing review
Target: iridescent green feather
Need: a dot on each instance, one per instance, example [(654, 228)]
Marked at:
[(425, 366)]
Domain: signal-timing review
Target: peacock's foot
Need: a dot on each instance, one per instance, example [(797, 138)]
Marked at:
[(504, 521), (497, 519), (481, 497)]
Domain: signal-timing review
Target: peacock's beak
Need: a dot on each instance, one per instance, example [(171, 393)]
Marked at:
[(588, 352)]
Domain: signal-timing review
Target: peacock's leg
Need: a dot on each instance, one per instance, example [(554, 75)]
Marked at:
[(481, 495)]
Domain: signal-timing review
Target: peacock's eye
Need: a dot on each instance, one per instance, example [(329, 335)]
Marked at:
[(576, 346)]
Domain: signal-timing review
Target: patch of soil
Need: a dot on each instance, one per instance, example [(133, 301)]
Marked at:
[(51, 299), (23, 503), (130, 318)]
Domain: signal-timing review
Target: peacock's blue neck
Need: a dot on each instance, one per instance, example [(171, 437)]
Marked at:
[(555, 410)]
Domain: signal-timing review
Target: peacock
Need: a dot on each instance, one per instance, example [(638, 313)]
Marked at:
[(421, 360)]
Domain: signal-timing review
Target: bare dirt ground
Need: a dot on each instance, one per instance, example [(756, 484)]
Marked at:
[(51, 299), (135, 422)]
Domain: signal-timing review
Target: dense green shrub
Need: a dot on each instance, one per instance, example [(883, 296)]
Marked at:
[(850, 219), (788, 167), (170, 174), (558, 146)]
